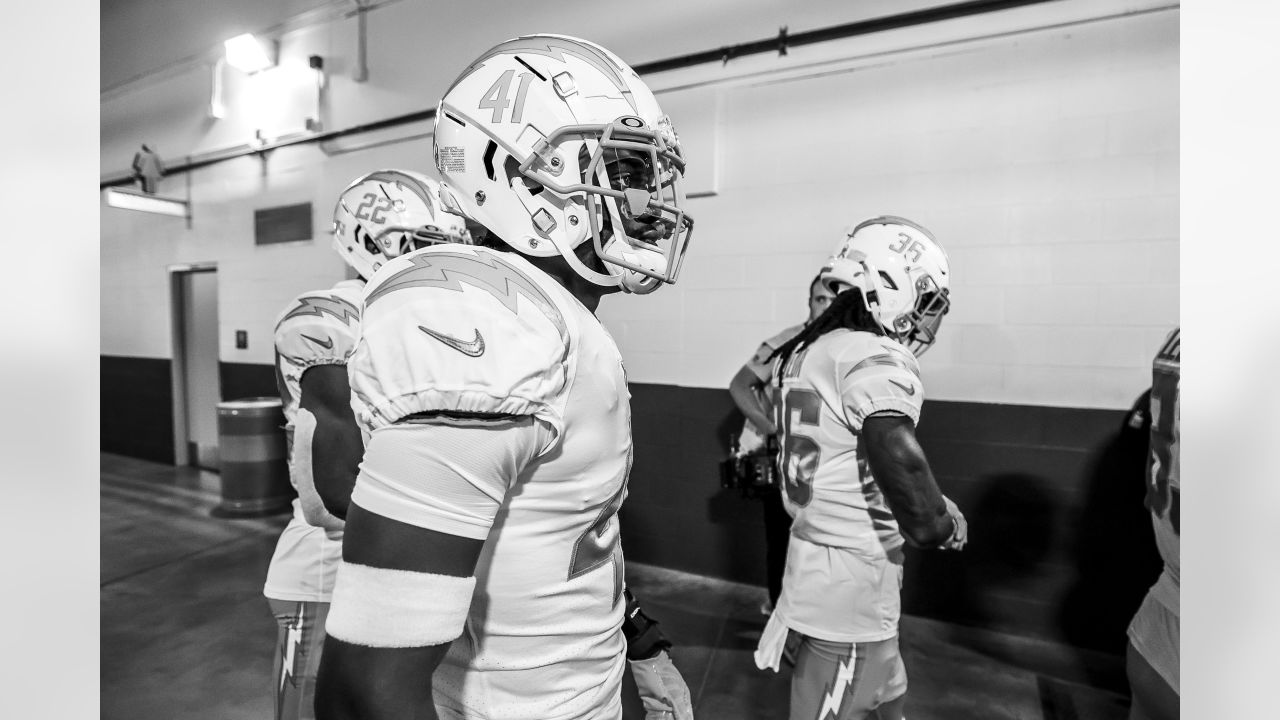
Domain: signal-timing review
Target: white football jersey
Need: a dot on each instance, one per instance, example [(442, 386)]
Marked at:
[(316, 328), (474, 331), (761, 366), (844, 559)]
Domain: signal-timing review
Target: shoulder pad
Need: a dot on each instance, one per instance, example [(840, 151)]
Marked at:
[(875, 374), (465, 330), (759, 364), (781, 338), (319, 327)]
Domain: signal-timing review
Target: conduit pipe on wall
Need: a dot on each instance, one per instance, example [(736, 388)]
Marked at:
[(362, 64), (778, 44)]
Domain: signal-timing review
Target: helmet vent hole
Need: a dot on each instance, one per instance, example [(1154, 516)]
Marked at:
[(530, 68), (366, 240), (887, 281), (488, 159), (451, 117), (512, 169)]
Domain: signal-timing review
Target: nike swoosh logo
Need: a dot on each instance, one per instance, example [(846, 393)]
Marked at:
[(326, 343), (473, 348), (911, 389)]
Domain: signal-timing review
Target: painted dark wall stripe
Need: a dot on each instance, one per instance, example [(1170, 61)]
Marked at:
[(136, 407), (1060, 547)]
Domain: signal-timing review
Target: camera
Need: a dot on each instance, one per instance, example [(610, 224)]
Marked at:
[(751, 472)]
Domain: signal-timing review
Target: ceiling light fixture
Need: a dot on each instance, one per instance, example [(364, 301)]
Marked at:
[(249, 54)]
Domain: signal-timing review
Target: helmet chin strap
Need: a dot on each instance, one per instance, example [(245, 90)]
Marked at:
[(579, 267), (636, 282)]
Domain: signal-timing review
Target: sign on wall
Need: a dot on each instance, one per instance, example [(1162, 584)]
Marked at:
[(286, 223)]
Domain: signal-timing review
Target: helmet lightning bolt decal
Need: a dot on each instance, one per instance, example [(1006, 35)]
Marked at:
[(844, 676)]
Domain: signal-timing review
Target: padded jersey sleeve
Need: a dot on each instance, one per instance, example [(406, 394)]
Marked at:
[(316, 328), (759, 364), (446, 477), (877, 374), (461, 330)]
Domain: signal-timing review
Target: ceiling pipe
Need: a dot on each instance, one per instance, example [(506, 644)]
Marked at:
[(778, 44), (784, 40)]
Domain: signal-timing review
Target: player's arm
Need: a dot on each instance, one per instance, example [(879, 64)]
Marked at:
[(358, 680), (743, 391), (429, 493), (334, 442), (926, 517), (663, 691)]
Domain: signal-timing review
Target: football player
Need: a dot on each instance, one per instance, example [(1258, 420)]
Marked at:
[(1152, 659), (380, 216), (481, 547), (749, 392), (854, 478)]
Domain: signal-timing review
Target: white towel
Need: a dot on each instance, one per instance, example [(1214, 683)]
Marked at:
[(772, 642)]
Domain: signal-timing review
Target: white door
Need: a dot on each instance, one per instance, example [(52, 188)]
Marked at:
[(197, 387)]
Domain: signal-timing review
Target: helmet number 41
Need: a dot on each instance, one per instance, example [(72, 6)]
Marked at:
[(495, 98)]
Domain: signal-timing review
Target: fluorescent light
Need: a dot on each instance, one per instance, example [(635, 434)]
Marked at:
[(249, 54), (217, 107), (133, 200)]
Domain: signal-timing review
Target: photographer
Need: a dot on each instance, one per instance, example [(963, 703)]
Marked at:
[(749, 389)]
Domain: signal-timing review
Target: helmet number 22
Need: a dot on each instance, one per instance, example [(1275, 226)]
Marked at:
[(798, 460), (495, 98), (378, 205)]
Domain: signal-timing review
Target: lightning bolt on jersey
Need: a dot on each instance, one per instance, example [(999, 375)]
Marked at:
[(315, 328), (1164, 484), (844, 560), (470, 330)]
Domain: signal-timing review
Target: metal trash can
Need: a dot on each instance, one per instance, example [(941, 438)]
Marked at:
[(254, 458)]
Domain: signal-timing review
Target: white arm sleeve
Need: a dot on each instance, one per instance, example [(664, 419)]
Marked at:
[(444, 475), (313, 509)]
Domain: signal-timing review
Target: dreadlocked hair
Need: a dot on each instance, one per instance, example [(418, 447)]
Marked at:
[(847, 310)]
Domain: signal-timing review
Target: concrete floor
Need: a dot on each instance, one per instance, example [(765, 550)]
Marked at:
[(186, 632)]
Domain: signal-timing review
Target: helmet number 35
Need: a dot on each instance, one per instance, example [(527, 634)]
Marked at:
[(495, 98), (798, 460), (906, 245)]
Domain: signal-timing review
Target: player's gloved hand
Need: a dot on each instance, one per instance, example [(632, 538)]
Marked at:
[(662, 690), (960, 535)]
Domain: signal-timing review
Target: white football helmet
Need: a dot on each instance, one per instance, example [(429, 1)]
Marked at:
[(549, 142), (903, 274), (388, 213)]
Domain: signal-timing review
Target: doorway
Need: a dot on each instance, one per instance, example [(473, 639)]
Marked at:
[(196, 386)]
